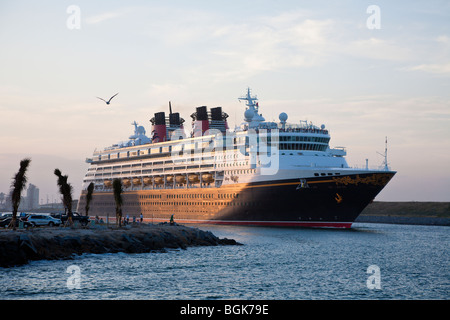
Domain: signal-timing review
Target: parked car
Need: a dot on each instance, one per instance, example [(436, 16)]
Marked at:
[(83, 220), (9, 215), (6, 221), (42, 220)]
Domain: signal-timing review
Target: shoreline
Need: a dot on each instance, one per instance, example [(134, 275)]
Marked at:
[(424, 221), (22, 246), (408, 212)]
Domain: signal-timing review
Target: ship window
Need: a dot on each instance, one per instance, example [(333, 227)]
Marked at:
[(316, 174), (323, 174)]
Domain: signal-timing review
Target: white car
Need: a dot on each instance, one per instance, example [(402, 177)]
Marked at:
[(43, 220)]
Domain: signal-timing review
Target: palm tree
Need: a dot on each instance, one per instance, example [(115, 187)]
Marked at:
[(90, 190), (65, 189), (18, 184), (117, 189)]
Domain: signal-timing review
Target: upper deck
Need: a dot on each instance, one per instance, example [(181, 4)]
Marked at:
[(210, 135), (211, 155)]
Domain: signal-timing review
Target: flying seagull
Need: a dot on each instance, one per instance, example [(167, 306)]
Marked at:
[(107, 102)]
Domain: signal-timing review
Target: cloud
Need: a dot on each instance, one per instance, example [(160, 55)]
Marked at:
[(436, 60), (444, 39), (443, 68), (102, 17), (265, 44), (377, 49), (229, 50), (279, 42)]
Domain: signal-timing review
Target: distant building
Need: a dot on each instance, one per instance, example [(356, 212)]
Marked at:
[(28, 202), (32, 199), (8, 203), (3, 197)]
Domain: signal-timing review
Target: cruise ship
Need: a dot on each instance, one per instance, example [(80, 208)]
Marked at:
[(260, 173)]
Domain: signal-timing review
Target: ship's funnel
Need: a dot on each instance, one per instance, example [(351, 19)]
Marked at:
[(200, 121), (174, 130), (174, 119), (218, 119), (174, 123), (159, 131), (216, 114)]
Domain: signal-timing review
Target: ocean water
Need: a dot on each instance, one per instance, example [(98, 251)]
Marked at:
[(369, 261)]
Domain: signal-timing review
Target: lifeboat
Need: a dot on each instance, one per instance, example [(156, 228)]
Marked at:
[(169, 179), (193, 178), (137, 181), (158, 180), (126, 182), (207, 177), (107, 183), (179, 178), (147, 181)]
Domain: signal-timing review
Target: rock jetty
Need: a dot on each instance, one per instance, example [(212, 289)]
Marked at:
[(21, 246)]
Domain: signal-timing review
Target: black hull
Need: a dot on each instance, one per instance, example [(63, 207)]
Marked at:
[(314, 202)]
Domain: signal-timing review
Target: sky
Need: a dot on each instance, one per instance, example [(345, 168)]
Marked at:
[(366, 69)]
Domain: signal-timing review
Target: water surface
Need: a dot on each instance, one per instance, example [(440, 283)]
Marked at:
[(273, 263)]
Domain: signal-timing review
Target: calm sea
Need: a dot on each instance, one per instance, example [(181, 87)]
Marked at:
[(369, 261)]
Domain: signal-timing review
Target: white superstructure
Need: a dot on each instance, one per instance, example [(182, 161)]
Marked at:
[(255, 151)]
